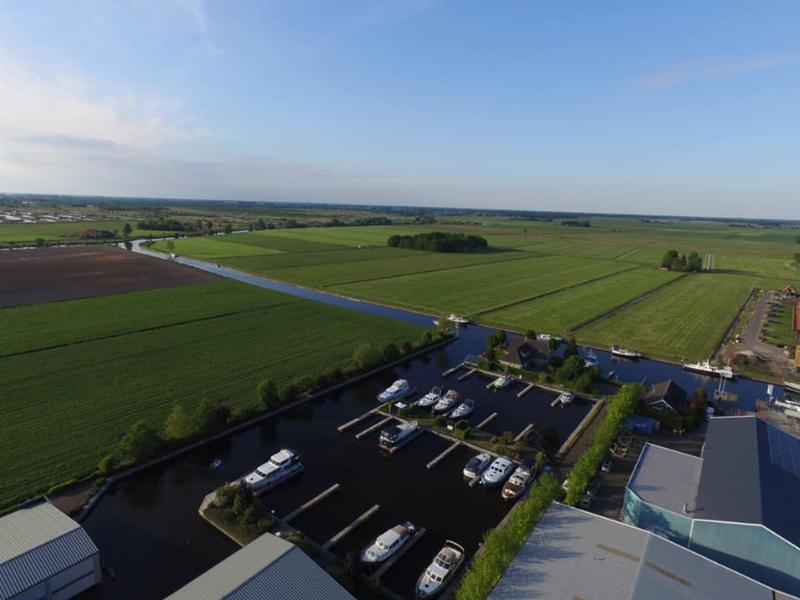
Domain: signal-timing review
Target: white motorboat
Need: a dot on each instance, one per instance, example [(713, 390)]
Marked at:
[(792, 387), (458, 319), (591, 360), (436, 322), (399, 389), (440, 572), (565, 398), (706, 368), (431, 397), (476, 465), (280, 467), (497, 472), (387, 543), (394, 435), (463, 410), (502, 382), (446, 402), (519, 480), (215, 464), (544, 337), (625, 353)]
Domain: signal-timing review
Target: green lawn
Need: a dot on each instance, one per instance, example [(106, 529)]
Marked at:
[(560, 312), (685, 320), (65, 407), (759, 265), (28, 232), (210, 247)]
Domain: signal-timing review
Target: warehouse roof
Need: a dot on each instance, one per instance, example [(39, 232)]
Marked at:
[(36, 543), (268, 568), (577, 554), (666, 478)]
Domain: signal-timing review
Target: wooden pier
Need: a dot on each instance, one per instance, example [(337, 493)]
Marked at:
[(442, 456), (556, 401), (486, 421), (469, 373), (452, 370), (389, 563), (349, 529), (311, 503), (524, 432), (362, 434), (527, 389), (345, 426)]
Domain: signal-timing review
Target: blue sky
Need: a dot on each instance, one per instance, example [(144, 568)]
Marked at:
[(640, 106)]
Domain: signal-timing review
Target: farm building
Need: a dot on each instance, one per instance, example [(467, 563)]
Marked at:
[(732, 504), (268, 568), (791, 292), (666, 395), (522, 353), (45, 555), (577, 554)]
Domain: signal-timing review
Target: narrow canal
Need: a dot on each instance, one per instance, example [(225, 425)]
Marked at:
[(149, 533)]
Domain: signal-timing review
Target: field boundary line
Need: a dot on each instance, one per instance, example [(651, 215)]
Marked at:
[(117, 477), (555, 291), (134, 331), (627, 303)]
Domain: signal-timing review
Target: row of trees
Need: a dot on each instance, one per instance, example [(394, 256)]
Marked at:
[(439, 241), (689, 264), (575, 223), (238, 505)]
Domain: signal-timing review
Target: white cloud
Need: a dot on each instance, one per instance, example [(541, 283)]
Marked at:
[(717, 69)]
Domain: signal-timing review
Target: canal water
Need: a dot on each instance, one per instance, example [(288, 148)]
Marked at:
[(150, 535)]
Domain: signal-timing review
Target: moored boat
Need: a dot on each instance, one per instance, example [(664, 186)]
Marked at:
[(446, 402), (502, 382), (280, 467), (387, 543), (792, 386), (393, 436), (440, 572), (520, 479), (476, 465), (565, 398), (706, 368), (431, 397), (463, 410), (625, 353), (399, 389), (458, 319), (497, 472)]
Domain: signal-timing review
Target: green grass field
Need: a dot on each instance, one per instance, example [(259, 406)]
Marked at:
[(29, 232), (65, 407), (685, 320), (558, 313)]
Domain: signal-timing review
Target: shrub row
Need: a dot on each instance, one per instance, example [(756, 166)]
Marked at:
[(619, 408)]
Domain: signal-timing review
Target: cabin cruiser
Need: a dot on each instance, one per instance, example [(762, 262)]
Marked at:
[(625, 353), (502, 382), (431, 397), (565, 398), (476, 465), (497, 472), (393, 436), (463, 410), (520, 479), (706, 368), (544, 337), (458, 319), (399, 389), (387, 543), (446, 402), (792, 387), (280, 467), (591, 360), (439, 573)]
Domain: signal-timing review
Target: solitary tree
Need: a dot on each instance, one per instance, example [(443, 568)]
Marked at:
[(530, 335), (126, 230), (267, 393), (572, 348), (171, 245), (140, 443), (178, 425), (228, 228)]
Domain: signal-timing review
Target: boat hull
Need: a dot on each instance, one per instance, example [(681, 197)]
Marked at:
[(273, 482)]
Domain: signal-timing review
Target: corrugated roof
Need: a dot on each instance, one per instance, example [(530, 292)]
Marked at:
[(36, 543), (269, 568), (666, 478), (576, 554)]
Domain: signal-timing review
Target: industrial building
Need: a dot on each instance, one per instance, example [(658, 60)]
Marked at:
[(579, 555), (45, 555), (268, 568), (736, 503)]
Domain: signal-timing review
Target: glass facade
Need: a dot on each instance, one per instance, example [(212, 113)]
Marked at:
[(652, 518)]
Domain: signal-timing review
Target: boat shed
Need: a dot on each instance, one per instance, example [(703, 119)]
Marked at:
[(522, 354), (45, 555), (268, 568), (666, 395)]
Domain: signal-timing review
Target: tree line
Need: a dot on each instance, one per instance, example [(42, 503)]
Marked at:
[(687, 264), (439, 241)]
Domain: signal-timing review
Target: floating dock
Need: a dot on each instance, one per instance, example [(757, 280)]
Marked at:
[(442, 456), (452, 370), (362, 434), (345, 426), (311, 503), (389, 563), (486, 421), (349, 529), (527, 389), (469, 373), (524, 432)]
